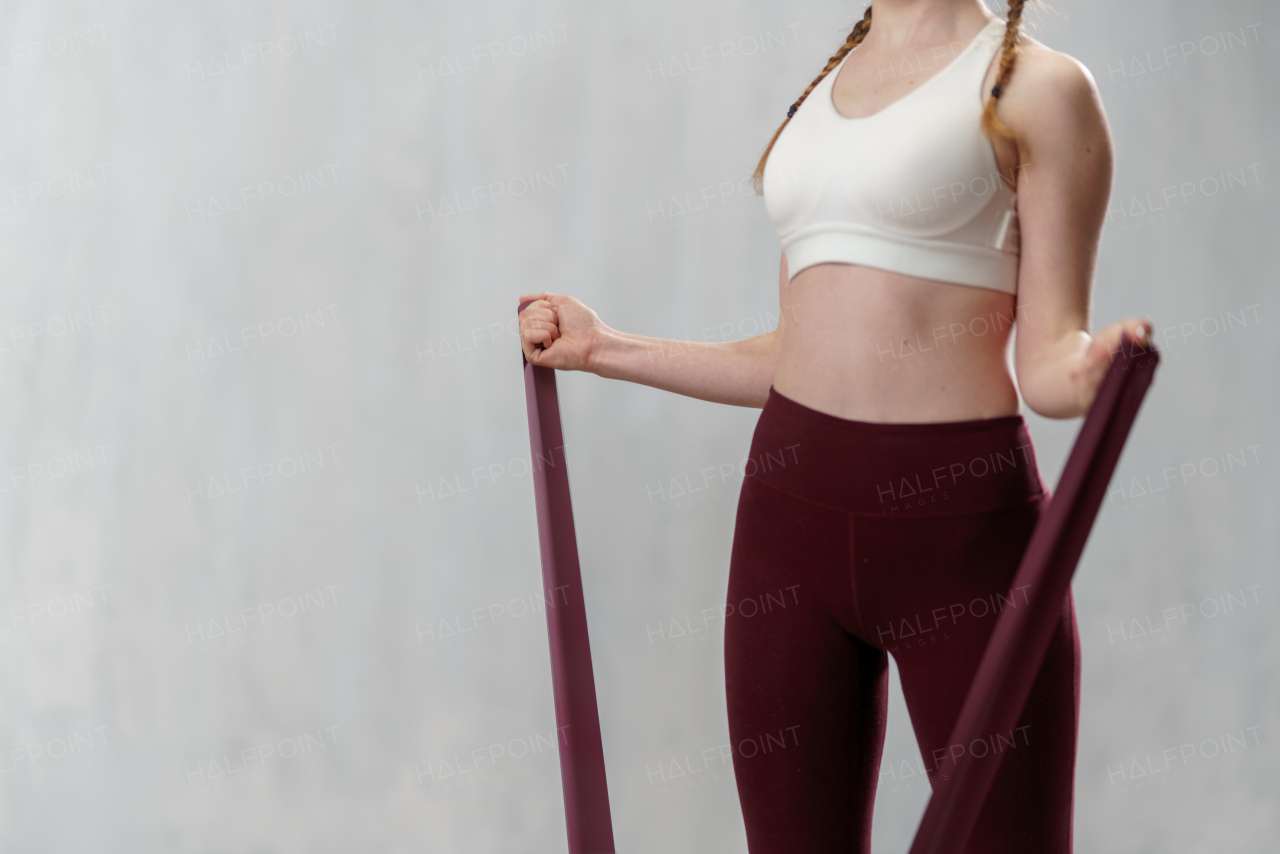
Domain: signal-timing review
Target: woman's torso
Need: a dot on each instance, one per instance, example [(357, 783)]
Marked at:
[(873, 345)]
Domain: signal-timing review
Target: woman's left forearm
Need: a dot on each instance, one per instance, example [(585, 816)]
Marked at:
[(1062, 378), (1051, 387)]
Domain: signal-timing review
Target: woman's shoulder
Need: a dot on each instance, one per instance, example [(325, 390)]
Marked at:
[(1047, 88), (1042, 72), (1051, 67)]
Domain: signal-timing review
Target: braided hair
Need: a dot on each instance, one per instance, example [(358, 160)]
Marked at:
[(991, 124), (855, 38)]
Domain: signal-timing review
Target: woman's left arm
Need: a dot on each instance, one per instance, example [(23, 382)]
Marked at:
[(1064, 181)]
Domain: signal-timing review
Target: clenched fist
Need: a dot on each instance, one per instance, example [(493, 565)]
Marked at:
[(558, 332), (1087, 376)]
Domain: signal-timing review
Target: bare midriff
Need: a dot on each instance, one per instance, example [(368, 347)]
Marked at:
[(872, 345)]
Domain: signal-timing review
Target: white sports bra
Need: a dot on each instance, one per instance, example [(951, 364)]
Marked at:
[(912, 189)]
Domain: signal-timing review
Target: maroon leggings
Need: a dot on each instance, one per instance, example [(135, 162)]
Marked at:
[(857, 539)]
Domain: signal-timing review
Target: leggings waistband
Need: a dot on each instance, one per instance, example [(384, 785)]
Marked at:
[(894, 469)]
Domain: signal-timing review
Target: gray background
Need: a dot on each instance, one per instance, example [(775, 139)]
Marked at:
[(269, 542)]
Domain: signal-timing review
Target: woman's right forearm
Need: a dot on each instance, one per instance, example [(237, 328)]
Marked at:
[(733, 372)]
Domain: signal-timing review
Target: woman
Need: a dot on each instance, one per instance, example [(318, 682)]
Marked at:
[(894, 485)]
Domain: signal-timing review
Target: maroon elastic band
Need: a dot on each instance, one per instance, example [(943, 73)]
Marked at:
[(586, 795), (1021, 636)]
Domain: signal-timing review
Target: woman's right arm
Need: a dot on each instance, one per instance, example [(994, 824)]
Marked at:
[(560, 332)]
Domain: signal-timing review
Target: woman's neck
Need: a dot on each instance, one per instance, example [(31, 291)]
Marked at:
[(897, 24)]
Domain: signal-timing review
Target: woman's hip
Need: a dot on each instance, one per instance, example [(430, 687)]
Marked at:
[(893, 469)]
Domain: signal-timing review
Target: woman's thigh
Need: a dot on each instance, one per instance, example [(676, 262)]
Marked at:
[(929, 590), (806, 698)]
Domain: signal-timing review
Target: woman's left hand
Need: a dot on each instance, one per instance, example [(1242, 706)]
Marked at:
[(1088, 374)]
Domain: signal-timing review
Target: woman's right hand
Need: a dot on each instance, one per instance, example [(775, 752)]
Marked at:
[(558, 332)]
